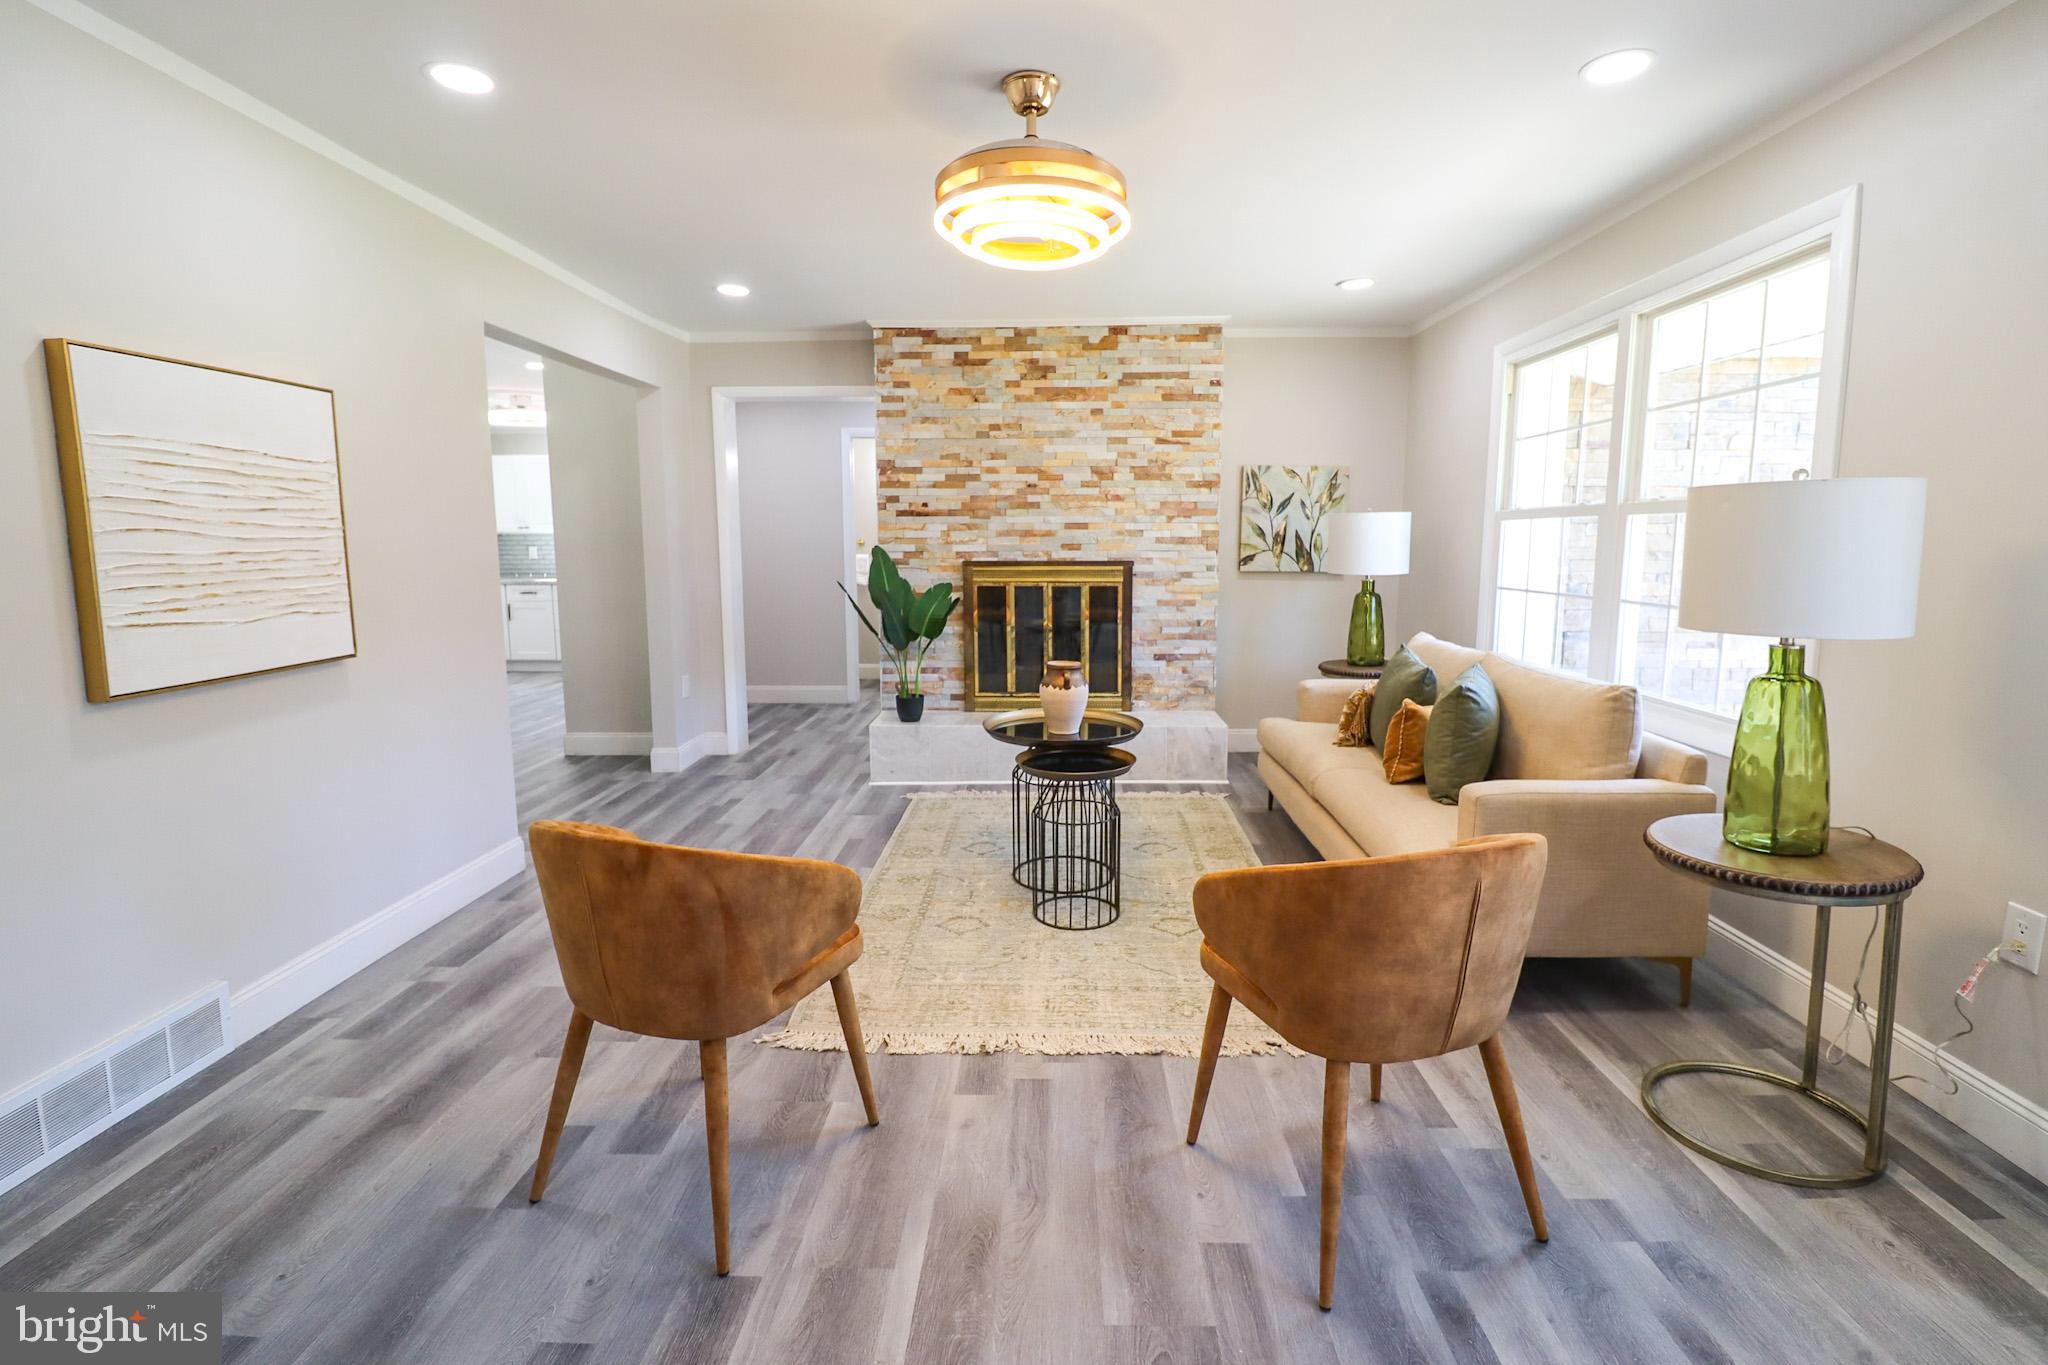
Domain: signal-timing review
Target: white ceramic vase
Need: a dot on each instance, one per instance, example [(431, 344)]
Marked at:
[(1064, 696)]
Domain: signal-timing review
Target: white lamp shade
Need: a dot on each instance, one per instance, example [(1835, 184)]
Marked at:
[(1813, 559), (1369, 544)]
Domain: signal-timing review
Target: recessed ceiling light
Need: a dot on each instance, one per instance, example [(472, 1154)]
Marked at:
[(734, 291), (535, 365), (1615, 67), (463, 80), (1354, 285)]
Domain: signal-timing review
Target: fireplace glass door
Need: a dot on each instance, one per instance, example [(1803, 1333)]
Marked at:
[(1020, 615)]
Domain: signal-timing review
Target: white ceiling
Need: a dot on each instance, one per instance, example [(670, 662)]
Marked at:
[(505, 368), (655, 147)]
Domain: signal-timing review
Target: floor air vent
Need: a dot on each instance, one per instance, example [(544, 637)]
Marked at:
[(65, 1107)]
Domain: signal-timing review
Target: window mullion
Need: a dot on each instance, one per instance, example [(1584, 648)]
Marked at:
[(1602, 658)]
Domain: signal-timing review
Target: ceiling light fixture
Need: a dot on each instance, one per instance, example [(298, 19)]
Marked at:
[(1030, 204), (1615, 67), (1355, 285), (734, 291), (463, 80), (535, 365)]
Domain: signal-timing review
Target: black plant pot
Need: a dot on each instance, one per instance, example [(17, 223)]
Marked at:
[(910, 709)]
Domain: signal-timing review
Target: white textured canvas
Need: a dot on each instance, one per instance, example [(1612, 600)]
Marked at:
[(214, 505)]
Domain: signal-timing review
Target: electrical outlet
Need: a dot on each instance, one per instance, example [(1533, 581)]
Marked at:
[(2027, 927)]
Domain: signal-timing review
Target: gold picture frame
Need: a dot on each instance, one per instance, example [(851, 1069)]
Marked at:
[(185, 508)]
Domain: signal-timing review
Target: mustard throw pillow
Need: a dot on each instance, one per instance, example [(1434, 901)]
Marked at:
[(1401, 750), (1351, 725)]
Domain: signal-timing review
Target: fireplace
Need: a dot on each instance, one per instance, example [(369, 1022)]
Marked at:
[(1018, 615)]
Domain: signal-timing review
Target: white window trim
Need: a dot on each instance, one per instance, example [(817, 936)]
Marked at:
[(1834, 220)]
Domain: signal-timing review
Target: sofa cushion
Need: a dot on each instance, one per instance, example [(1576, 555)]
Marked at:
[(1559, 728), (1464, 730), (1447, 659), (1381, 817), (1308, 748), (1405, 678)]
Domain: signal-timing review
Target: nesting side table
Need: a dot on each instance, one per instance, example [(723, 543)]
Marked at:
[(1855, 870)]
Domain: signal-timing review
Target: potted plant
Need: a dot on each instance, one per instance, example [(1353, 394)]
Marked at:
[(911, 620)]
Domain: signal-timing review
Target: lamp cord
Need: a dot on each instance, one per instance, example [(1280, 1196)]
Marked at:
[(1859, 1008)]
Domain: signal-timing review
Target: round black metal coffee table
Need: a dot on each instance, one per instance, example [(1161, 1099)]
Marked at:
[(1066, 830)]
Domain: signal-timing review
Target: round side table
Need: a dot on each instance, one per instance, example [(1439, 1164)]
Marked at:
[(1070, 839), (1855, 870), (1340, 668)]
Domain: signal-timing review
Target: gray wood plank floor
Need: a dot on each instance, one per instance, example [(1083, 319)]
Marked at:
[(353, 1180)]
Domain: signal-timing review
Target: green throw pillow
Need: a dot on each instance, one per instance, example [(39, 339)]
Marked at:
[(1405, 677), (1463, 729)]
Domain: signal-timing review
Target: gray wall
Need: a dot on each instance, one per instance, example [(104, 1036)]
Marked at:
[(160, 844), (1298, 401), (793, 540), (601, 593), (1938, 742)]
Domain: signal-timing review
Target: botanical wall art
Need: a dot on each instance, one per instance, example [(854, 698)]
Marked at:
[(1281, 514), (204, 508)]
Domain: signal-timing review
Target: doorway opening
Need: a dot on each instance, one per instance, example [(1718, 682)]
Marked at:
[(515, 403)]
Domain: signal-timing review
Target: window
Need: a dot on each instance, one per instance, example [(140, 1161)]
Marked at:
[(1722, 375)]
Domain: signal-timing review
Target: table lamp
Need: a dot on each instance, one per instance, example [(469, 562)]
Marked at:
[(1372, 545), (1808, 559)]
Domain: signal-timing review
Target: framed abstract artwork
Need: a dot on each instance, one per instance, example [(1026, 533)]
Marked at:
[(1281, 513), (204, 510)]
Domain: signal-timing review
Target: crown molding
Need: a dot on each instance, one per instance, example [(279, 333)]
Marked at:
[(1923, 42), (161, 59), (855, 333), (967, 324), (1318, 333)]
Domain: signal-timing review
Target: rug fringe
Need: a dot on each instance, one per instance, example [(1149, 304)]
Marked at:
[(984, 1042)]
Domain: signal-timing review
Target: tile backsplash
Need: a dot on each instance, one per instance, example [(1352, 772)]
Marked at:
[(516, 558)]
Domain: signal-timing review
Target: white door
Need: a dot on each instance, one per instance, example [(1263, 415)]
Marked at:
[(530, 623)]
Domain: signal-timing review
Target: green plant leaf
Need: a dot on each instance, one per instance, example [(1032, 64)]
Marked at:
[(884, 582), (928, 613)]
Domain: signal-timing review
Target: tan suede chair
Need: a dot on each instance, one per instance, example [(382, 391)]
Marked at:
[(683, 943), (1380, 960)]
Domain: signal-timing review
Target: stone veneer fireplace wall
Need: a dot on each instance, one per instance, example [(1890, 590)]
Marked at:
[(1050, 443)]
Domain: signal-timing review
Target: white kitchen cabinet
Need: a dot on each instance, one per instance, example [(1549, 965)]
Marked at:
[(532, 626), (524, 496)]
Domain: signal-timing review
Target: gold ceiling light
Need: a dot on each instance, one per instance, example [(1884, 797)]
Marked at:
[(1027, 203)]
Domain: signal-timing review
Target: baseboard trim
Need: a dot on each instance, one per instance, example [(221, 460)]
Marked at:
[(1244, 741), (1987, 1109), (279, 992), (810, 693), (607, 743), (674, 760)]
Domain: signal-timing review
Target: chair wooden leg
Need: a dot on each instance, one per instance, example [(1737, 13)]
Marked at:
[(1269, 800), (1684, 965), (856, 1047), (717, 1118), (1375, 1082), (571, 1067), (1212, 1045), (1502, 1083), (1336, 1108)]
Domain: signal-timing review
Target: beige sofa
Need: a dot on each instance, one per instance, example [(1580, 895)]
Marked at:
[(1573, 765)]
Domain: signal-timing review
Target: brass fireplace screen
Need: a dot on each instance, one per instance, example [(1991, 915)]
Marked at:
[(1020, 615)]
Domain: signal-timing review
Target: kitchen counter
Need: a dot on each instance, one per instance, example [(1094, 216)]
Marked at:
[(522, 578)]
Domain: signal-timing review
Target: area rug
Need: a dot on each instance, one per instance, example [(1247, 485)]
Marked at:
[(954, 962)]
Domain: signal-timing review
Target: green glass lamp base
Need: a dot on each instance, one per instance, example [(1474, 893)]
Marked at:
[(1367, 643), (1778, 772)]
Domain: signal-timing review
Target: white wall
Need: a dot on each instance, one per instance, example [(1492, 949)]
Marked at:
[(1939, 742), (793, 544), (601, 590), (1299, 401), (156, 845)]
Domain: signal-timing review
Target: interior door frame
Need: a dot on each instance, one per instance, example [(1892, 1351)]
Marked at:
[(725, 450)]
